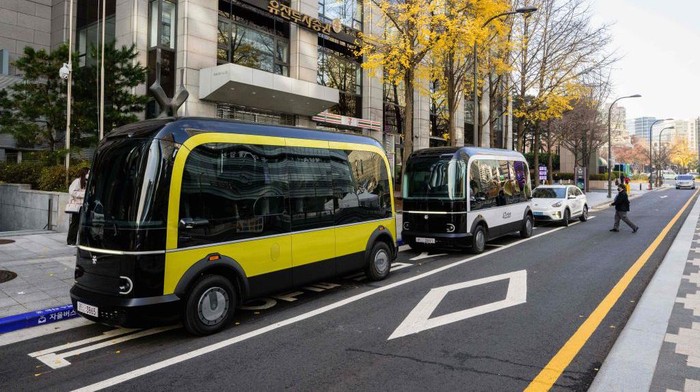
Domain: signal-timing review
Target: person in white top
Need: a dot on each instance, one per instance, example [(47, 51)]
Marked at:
[(76, 191)]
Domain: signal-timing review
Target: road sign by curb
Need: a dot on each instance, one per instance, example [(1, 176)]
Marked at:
[(38, 317)]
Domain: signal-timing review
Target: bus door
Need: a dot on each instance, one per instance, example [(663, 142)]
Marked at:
[(311, 207)]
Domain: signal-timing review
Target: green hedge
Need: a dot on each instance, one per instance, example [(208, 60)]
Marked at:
[(40, 176), (564, 176)]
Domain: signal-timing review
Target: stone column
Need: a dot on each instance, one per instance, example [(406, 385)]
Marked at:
[(197, 32), (131, 28)]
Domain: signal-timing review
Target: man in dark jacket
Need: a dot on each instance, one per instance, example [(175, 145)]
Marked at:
[(622, 206)]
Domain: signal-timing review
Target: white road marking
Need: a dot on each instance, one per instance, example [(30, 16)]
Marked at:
[(51, 358), (425, 255), (289, 297), (663, 197), (237, 339), (419, 319), (321, 286)]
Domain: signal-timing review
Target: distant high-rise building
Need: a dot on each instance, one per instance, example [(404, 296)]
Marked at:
[(642, 125), (618, 125)]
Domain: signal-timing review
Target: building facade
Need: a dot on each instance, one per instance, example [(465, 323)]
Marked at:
[(271, 61)]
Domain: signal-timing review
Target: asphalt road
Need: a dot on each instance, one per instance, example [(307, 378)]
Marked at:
[(440, 322)]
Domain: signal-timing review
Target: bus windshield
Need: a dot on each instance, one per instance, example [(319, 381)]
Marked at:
[(434, 178), (127, 188)]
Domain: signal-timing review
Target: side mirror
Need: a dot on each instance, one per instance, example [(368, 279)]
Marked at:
[(191, 223), (571, 197)]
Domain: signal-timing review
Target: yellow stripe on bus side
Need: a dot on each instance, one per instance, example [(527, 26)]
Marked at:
[(256, 257)]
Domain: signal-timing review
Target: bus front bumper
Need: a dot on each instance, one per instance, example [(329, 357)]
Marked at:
[(438, 240), (125, 312)]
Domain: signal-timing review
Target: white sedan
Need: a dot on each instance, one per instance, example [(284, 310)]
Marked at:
[(559, 203), (685, 181)]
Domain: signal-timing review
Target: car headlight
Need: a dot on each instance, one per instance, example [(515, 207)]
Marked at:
[(557, 204)]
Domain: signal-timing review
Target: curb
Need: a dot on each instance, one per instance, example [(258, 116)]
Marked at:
[(37, 317)]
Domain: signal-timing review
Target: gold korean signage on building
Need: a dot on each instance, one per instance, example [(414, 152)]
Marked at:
[(286, 12)]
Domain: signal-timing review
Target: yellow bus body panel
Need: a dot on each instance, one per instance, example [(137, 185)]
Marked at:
[(255, 256), (267, 254)]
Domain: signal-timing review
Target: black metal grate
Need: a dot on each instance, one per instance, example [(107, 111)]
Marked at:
[(6, 276)]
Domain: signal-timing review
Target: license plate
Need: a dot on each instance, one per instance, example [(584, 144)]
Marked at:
[(425, 240), (538, 213), (88, 309)]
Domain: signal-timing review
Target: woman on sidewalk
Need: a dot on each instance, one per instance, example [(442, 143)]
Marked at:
[(76, 191), (622, 206)]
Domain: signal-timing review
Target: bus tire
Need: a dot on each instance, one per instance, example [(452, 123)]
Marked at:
[(526, 229), (210, 305), (478, 239), (379, 262), (567, 218)]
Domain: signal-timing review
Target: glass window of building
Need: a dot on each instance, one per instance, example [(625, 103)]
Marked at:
[(349, 12), (340, 69), (89, 29), (438, 116), (252, 37), (395, 118)]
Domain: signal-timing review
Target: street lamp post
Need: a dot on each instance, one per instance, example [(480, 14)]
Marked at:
[(610, 142), (67, 70), (658, 171), (651, 150), (523, 10)]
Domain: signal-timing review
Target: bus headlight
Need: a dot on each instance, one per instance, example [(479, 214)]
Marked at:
[(406, 226), (125, 285), (450, 228)]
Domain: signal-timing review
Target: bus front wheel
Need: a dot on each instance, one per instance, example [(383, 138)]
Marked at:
[(210, 305), (379, 263), (478, 239)]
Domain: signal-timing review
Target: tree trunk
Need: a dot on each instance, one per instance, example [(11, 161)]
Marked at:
[(536, 154)]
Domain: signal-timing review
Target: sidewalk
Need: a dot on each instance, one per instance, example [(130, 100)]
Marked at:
[(39, 266), (659, 348)]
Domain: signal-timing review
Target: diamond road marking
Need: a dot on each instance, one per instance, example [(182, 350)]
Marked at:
[(419, 318)]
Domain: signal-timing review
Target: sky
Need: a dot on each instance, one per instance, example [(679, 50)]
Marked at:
[(659, 45)]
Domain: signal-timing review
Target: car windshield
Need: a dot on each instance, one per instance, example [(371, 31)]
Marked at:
[(685, 177), (549, 193)]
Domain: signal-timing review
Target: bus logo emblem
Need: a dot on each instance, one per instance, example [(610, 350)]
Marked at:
[(506, 215), (94, 259)]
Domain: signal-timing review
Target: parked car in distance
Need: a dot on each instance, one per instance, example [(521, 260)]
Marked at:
[(685, 181), (559, 203), (668, 174)]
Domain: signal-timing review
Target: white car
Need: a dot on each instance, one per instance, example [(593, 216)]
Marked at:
[(685, 181), (559, 203)]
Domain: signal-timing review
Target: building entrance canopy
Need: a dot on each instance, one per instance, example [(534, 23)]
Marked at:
[(250, 87)]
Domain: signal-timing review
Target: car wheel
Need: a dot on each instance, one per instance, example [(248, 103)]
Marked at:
[(379, 262), (478, 239), (210, 305), (526, 229), (567, 218), (584, 214)]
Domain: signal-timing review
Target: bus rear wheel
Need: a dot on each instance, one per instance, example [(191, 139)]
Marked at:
[(210, 305), (379, 262)]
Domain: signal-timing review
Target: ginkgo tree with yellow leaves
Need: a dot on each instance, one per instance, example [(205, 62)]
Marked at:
[(410, 30), (682, 155)]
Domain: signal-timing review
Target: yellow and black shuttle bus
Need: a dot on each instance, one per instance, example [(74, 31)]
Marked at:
[(190, 217), (461, 197)]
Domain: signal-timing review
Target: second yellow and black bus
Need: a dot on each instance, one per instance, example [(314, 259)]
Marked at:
[(190, 217)]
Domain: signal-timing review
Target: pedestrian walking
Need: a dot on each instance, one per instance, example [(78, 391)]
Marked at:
[(76, 192), (622, 207)]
